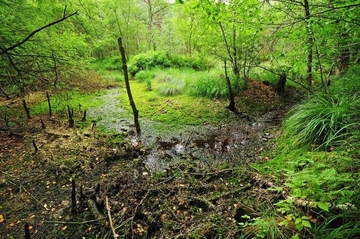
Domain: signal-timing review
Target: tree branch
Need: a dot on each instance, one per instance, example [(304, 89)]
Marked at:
[(4, 51)]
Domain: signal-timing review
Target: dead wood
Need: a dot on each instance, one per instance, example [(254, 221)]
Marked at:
[(115, 235), (26, 109)]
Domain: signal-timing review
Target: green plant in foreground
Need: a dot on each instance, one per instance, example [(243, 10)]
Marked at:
[(263, 228)]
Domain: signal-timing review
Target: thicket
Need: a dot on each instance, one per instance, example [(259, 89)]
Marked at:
[(162, 60), (316, 164)]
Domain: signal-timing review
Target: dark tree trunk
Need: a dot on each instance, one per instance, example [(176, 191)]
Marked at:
[(71, 119), (49, 104), (128, 89), (280, 86), (231, 106), (26, 110)]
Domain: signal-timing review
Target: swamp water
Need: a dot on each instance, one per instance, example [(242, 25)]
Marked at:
[(237, 142)]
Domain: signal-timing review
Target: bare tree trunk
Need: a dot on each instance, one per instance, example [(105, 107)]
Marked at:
[(231, 106), (49, 104), (26, 110), (71, 119), (127, 83), (310, 43)]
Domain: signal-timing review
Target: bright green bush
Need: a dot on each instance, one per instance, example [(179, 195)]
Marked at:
[(163, 60), (108, 63)]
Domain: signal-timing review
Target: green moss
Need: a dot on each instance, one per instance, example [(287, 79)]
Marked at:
[(175, 110)]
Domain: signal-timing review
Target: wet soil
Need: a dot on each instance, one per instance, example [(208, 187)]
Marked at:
[(198, 183)]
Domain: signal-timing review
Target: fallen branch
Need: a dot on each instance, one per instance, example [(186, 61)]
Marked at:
[(74, 223), (110, 219), (22, 187)]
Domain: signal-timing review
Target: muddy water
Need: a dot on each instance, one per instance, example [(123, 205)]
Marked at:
[(238, 142)]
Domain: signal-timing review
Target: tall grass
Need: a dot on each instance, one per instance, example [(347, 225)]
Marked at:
[(210, 85), (343, 225), (324, 119), (173, 87)]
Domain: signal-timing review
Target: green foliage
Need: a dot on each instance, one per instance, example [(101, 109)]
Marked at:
[(149, 60), (342, 225), (162, 60), (209, 85), (323, 119), (108, 63), (192, 62), (260, 227), (143, 76), (39, 62)]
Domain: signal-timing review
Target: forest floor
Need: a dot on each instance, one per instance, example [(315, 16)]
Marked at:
[(61, 182)]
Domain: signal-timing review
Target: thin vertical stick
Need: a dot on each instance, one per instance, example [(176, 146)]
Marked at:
[(127, 83), (48, 100), (110, 220)]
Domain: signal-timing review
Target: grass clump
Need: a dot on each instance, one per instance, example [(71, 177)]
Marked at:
[(174, 87), (324, 119), (143, 76)]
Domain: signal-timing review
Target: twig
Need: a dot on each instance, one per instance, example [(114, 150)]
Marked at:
[(74, 223), (187, 141), (135, 211), (20, 186), (110, 220), (212, 173), (33, 197), (230, 192)]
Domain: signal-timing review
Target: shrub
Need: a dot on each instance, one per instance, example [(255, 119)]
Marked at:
[(108, 63), (149, 60), (162, 60)]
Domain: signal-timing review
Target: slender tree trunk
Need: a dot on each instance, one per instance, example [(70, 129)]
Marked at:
[(49, 103), (26, 110), (310, 43), (127, 83), (231, 106)]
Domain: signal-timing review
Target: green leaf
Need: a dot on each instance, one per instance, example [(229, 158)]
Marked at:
[(323, 206), (306, 223), (295, 237)]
